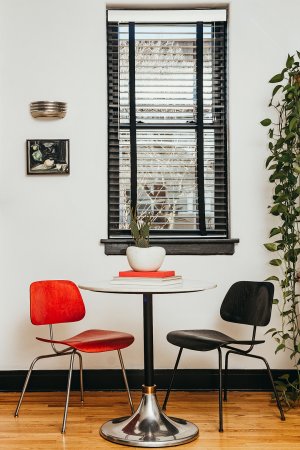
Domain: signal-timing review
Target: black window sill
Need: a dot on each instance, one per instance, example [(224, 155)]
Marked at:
[(176, 246)]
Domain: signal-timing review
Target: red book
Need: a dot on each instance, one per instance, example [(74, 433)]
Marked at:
[(157, 274)]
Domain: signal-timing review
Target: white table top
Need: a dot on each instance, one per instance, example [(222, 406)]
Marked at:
[(185, 286)]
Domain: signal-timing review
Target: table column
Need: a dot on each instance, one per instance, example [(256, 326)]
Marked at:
[(148, 340)]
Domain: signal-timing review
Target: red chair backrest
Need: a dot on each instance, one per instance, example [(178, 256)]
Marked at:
[(55, 301)]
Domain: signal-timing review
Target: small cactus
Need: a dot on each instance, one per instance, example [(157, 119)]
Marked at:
[(140, 229)]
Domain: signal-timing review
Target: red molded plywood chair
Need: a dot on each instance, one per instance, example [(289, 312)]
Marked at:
[(59, 301)]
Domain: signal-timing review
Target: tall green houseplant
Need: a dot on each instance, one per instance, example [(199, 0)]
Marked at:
[(283, 163)]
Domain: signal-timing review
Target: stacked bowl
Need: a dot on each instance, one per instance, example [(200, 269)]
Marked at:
[(48, 109)]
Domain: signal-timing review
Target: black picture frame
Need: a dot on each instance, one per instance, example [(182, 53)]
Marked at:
[(48, 156)]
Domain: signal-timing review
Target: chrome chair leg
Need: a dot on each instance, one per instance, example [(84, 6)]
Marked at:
[(52, 355), (25, 385), (63, 429), (126, 381), (80, 376), (172, 379), (220, 392)]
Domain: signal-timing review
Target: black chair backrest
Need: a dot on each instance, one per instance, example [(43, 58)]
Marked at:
[(248, 302)]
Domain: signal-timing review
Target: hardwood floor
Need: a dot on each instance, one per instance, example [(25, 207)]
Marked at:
[(251, 421)]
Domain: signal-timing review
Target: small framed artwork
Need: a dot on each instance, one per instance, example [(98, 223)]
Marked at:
[(48, 156)]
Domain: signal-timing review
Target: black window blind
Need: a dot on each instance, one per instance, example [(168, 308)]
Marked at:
[(167, 153)]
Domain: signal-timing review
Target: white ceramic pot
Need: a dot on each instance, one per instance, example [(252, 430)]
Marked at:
[(145, 259)]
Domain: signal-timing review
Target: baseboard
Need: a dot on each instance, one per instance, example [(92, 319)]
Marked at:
[(111, 380)]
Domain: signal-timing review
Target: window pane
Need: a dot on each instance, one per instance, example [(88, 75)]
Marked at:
[(166, 178), (124, 73), (165, 73)]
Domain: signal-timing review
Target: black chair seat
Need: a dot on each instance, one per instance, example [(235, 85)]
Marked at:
[(203, 340)]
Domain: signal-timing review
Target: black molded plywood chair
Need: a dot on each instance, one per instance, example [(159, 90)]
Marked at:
[(246, 302)]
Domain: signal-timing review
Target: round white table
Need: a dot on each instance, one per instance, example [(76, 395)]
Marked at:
[(149, 426)]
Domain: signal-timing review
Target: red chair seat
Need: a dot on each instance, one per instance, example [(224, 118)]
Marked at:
[(92, 341)]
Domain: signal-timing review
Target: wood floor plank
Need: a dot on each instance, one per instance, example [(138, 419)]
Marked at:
[(251, 421)]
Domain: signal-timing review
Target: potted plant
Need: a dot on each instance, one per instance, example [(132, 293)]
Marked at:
[(142, 257), (283, 163)]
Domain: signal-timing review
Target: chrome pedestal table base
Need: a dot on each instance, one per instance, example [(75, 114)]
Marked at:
[(149, 426)]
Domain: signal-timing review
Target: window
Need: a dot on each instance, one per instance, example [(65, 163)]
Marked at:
[(167, 138)]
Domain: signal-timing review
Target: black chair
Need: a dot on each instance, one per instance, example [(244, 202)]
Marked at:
[(246, 302)]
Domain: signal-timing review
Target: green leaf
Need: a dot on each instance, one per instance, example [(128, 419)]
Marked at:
[(275, 301), (277, 78), (282, 208), (272, 167), (274, 231), (274, 210), (278, 383), (279, 347), (281, 388), (286, 376), (272, 247), (279, 142), (281, 198), (289, 62), (293, 123), (272, 278), (270, 330), (266, 122), (269, 159), (275, 262), (290, 136), (145, 231), (276, 89), (135, 232)]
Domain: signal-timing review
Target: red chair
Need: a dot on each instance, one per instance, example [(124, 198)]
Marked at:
[(59, 301)]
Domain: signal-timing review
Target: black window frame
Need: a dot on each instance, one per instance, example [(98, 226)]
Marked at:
[(200, 241)]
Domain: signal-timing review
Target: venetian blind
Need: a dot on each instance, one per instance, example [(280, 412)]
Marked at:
[(167, 126)]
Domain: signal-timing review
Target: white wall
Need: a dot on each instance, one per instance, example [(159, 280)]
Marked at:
[(50, 227)]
